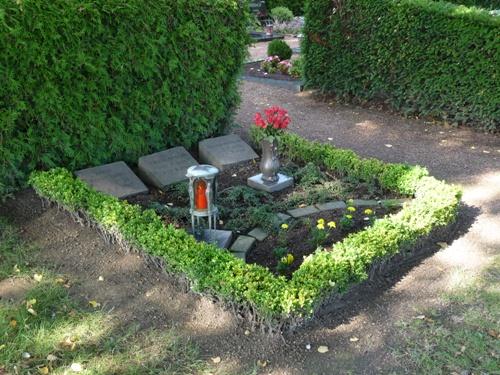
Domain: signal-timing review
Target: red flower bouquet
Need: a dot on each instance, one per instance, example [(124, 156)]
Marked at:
[(276, 120)]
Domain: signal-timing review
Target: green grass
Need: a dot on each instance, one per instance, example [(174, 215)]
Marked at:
[(462, 336), (63, 333)]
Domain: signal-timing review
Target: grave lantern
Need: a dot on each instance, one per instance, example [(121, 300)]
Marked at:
[(202, 193)]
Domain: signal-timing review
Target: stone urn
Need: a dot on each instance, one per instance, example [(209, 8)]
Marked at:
[(269, 163)]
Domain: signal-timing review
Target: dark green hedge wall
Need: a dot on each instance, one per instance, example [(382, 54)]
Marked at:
[(418, 56), (296, 6), (90, 81)]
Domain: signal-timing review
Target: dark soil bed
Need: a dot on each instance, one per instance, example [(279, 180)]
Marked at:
[(253, 70), (243, 208)]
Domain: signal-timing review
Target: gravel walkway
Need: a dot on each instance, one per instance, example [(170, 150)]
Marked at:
[(140, 294)]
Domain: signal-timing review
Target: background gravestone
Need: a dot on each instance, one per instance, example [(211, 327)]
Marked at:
[(115, 179), (166, 167), (225, 151)]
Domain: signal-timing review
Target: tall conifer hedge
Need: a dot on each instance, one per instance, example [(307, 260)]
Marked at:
[(90, 81)]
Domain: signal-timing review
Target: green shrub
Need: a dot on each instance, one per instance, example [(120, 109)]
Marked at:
[(281, 14), (275, 299), (296, 6), (93, 81), (279, 48), (419, 56)]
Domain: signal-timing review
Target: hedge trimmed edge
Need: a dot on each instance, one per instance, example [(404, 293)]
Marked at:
[(272, 301)]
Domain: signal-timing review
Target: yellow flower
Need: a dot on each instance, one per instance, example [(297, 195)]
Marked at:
[(348, 216), (321, 221), (368, 211), (331, 224), (284, 226), (287, 259), (350, 201), (351, 209), (320, 226)]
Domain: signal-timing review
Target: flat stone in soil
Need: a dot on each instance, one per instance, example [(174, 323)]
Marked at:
[(115, 179), (282, 218), (283, 182), (243, 244), (329, 206), (304, 211), (221, 238), (365, 203), (166, 167), (259, 234), (225, 151)]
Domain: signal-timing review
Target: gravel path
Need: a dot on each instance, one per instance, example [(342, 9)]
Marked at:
[(138, 293)]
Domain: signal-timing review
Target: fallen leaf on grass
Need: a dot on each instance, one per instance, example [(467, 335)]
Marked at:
[(442, 245), (13, 323), (76, 367), (16, 268), (322, 349), (43, 370), (216, 359), (37, 277), (420, 317), (94, 304), (101, 278), (354, 339), (26, 355), (388, 146), (32, 312), (51, 358), (2, 346), (494, 334), (68, 343)]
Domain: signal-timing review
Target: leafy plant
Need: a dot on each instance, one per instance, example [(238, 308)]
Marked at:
[(281, 14), (296, 6), (279, 48), (297, 68), (270, 64), (321, 231)]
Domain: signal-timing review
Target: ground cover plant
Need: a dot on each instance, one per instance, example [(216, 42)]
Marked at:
[(419, 57), (45, 331), (131, 79), (273, 301), (243, 209)]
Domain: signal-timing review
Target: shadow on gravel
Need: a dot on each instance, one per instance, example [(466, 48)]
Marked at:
[(384, 276)]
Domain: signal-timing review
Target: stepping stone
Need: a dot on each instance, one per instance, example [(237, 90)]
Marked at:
[(115, 179), (166, 167), (365, 203), (226, 151), (394, 202), (305, 211), (259, 234), (329, 206), (242, 245), (282, 218)]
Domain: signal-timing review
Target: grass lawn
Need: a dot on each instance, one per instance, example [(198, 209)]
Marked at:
[(463, 337), (46, 332)]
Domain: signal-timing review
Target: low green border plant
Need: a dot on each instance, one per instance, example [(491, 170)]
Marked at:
[(272, 301)]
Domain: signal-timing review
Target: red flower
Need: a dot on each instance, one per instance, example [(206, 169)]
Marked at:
[(259, 121)]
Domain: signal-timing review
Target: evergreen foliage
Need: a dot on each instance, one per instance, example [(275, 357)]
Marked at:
[(296, 6), (93, 81), (279, 48), (420, 57)]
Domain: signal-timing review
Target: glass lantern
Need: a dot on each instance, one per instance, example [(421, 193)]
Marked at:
[(202, 193)]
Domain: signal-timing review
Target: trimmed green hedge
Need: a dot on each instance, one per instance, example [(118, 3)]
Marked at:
[(275, 299), (296, 6), (90, 81), (418, 56)]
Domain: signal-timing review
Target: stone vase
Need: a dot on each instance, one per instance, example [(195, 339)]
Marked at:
[(269, 163)]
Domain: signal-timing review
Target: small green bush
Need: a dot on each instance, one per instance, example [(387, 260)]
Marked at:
[(91, 81), (279, 48), (281, 14), (275, 299), (418, 56), (296, 6), (487, 4)]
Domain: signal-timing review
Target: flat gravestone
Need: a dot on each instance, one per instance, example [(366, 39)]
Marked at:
[(225, 151), (166, 167), (115, 179)]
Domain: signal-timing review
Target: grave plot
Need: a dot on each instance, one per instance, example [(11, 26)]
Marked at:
[(279, 230)]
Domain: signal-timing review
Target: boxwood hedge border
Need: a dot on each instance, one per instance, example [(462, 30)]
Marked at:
[(269, 301)]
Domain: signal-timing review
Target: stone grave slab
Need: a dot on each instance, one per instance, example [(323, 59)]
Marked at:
[(365, 203), (166, 167), (222, 238), (115, 179), (226, 151), (328, 206), (241, 246), (303, 211), (259, 234)]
